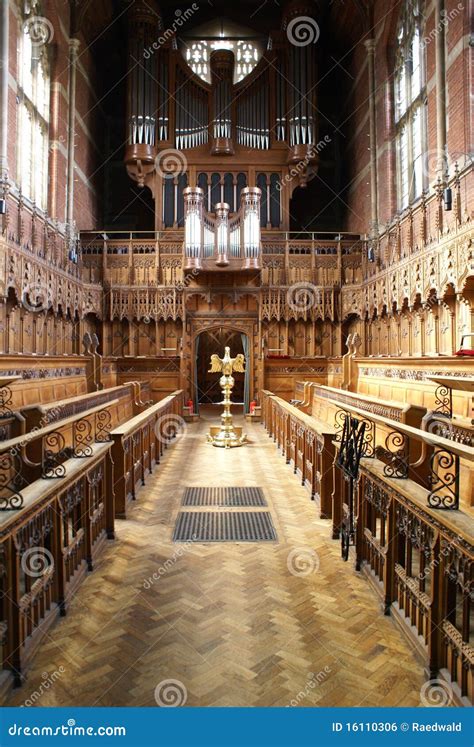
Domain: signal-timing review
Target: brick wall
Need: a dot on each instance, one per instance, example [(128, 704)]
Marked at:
[(459, 128), (88, 118)]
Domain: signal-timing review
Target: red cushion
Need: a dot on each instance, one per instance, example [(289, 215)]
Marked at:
[(465, 352)]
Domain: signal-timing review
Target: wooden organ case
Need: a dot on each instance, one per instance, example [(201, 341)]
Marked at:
[(221, 112)]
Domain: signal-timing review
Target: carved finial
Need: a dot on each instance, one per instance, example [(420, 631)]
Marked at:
[(87, 342)]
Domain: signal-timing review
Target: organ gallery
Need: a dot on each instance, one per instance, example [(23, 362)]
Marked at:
[(236, 225)]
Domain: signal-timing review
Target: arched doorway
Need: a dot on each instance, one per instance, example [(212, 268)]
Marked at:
[(206, 385)]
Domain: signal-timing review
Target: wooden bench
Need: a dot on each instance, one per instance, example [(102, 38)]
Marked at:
[(127, 400), (138, 445), (51, 532), (42, 452), (419, 562), (305, 442), (418, 557)]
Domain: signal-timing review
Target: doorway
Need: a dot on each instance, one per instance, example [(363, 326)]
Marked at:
[(207, 389)]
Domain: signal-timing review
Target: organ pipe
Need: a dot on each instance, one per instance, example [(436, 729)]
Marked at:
[(250, 201), (193, 226), (300, 24), (222, 74), (143, 21), (206, 237), (222, 233)]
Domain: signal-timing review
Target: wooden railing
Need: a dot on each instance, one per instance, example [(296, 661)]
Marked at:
[(43, 452), (128, 399), (47, 547), (153, 259), (305, 443), (138, 445), (58, 487), (421, 564), (410, 539)]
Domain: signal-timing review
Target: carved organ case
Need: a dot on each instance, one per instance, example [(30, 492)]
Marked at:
[(218, 114)]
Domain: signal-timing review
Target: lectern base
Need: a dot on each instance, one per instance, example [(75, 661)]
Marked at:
[(226, 439)]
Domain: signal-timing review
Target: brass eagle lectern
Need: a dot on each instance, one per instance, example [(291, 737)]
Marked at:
[(226, 435)]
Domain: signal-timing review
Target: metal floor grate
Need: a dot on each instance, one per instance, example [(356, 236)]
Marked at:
[(224, 526), (228, 497)]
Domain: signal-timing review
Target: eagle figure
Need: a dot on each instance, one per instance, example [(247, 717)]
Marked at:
[(227, 365)]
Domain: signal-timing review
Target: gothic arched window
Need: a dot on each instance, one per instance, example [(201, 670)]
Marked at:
[(410, 96), (34, 103)]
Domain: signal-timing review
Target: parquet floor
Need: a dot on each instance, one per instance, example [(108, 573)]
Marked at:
[(229, 622)]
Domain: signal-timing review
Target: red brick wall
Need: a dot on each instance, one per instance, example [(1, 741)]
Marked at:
[(88, 114), (459, 133)]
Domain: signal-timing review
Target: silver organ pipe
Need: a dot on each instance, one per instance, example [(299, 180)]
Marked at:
[(250, 217), (209, 237), (191, 128), (222, 72), (280, 97), (142, 98), (301, 94), (253, 115), (222, 233), (193, 226), (220, 238), (143, 95)]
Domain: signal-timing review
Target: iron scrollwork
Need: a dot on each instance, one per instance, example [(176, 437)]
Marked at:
[(444, 480), (6, 400), (339, 422), (368, 443), (395, 455), (54, 453), (82, 438), (444, 401), (103, 426), (11, 482)]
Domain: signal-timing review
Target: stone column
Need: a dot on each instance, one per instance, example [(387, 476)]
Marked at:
[(370, 47), (442, 165), (4, 64), (73, 50)]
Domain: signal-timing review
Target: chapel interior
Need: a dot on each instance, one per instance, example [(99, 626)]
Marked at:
[(293, 181)]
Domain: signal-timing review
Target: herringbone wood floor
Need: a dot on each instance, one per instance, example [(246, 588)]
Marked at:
[(229, 621)]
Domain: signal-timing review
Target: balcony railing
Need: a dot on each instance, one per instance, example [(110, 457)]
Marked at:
[(150, 259)]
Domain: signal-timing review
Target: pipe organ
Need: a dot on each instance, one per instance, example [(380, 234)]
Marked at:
[(226, 242), (237, 110)]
